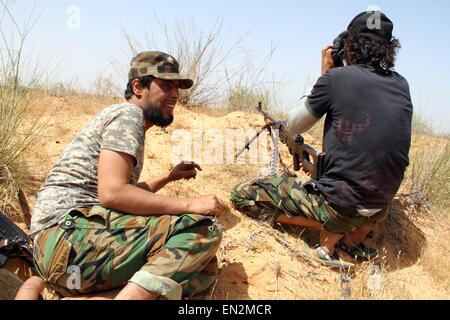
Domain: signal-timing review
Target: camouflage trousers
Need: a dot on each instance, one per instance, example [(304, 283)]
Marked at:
[(99, 249), (267, 199)]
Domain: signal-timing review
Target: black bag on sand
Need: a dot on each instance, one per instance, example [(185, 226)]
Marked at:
[(14, 242)]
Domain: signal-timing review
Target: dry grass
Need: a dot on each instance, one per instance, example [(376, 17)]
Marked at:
[(17, 92), (253, 86), (246, 99), (427, 181), (202, 56), (224, 73)]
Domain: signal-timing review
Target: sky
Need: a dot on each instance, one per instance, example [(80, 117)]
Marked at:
[(81, 38)]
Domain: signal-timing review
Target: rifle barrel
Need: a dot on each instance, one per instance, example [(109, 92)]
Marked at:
[(247, 145)]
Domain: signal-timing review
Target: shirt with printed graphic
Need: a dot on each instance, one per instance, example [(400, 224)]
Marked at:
[(72, 182), (367, 135)]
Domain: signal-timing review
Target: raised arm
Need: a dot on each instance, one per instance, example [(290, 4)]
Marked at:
[(184, 170), (115, 191), (301, 119)]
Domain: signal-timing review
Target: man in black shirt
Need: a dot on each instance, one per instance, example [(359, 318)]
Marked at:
[(366, 142)]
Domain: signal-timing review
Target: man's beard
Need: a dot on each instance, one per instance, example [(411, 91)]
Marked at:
[(158, 118)]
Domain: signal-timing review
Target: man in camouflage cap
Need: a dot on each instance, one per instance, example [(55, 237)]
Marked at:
[(159, 65), (97, 229)]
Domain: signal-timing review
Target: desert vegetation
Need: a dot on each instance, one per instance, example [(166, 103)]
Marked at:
[(40, 117)]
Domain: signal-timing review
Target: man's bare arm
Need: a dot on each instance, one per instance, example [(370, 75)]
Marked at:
[(154, 184), (115, 192), (184, 170)]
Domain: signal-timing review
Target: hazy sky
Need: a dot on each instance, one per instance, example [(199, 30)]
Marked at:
[(301, 28)]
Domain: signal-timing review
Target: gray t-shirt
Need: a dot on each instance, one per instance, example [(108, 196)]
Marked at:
[(72, 182)]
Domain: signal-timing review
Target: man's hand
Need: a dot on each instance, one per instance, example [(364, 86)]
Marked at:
[(206, 205), (184, 170), (268, 122), (327, 59)]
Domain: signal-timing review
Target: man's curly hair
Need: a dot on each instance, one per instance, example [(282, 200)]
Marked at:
[(377, 53)]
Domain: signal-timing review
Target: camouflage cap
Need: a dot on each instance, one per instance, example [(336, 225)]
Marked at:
[(160, 65)]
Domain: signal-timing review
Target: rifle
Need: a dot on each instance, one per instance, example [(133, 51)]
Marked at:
[(304, 156)]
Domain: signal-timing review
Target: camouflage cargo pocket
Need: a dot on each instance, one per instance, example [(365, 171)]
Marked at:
[(86, 218), (99, 217), (51, 253)]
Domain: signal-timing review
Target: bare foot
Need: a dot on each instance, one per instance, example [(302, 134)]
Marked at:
[(31, 289), (355, 237), (328, 240)]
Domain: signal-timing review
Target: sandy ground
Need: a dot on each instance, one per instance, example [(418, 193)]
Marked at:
[(256, 261)]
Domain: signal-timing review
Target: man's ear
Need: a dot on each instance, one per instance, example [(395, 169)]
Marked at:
[(137, 87)]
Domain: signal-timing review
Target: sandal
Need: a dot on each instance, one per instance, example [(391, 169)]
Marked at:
[(358, 252), (322, 256)]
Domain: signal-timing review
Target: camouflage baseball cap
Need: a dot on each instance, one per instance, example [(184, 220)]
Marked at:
[(160, 65)]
